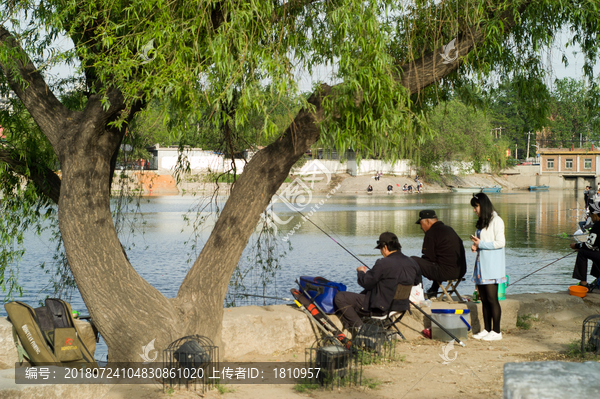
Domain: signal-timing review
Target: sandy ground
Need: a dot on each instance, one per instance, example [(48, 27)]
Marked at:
[(358, 184), (419, 372)]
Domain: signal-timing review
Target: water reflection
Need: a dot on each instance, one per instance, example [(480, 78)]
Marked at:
[(533, 223)]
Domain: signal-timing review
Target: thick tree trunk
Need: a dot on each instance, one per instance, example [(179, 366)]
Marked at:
[(206, 283), (128, 311)]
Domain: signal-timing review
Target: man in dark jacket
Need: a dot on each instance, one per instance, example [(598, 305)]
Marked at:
[(379, 284), (443, 251), (589, 250)]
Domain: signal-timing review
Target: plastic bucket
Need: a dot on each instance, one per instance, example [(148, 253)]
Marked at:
[(502, 289), (456, 321)]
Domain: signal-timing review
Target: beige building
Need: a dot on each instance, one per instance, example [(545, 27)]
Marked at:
[(576, 167)]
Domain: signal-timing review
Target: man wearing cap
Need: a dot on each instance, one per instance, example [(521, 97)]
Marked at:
[(379, 284), (588, 250), (443, 251)]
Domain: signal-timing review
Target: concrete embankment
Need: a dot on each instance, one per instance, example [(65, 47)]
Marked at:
[(252, 332)]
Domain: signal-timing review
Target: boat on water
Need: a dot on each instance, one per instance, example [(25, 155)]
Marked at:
[(539, 188), (495, 189), (466, 189)]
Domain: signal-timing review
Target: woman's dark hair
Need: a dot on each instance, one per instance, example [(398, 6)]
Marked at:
[(485, 210)]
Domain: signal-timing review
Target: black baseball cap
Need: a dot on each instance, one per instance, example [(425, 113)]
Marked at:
[(426, 214), (386, 238)]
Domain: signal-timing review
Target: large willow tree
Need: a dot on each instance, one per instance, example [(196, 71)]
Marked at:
[(391, 59)]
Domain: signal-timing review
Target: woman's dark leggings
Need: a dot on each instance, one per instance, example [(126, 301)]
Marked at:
[(491, 306)]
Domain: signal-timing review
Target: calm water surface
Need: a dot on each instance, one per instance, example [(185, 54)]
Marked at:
[(165, 251)]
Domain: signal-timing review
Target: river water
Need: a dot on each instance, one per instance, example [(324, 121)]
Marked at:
[(535, 223)]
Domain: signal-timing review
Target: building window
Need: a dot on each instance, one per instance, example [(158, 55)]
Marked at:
[(587, 163), (569, 163), (550, 163)]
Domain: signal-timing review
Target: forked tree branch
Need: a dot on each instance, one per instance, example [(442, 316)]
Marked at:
[(44, 178), (29, 85)]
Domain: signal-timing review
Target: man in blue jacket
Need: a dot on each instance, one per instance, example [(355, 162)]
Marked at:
[(588, 250), (379, 284)]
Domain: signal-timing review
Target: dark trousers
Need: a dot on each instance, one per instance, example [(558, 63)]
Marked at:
[(435, 273), (490, 306), (349, 306), (581, 264)]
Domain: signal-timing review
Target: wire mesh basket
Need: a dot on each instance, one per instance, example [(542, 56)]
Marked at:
[(590, 335), (337, 365), (187, 362), (373, 341)]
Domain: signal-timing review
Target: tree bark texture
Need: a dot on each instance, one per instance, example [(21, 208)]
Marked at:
[(127, 310)]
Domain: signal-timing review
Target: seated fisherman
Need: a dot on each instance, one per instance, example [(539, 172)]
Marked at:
[(390, 187), (379, 283), (588, 250), (370, 189), (443, 251), (405, 187)]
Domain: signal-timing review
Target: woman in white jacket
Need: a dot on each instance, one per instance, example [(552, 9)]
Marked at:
[(489, 271)]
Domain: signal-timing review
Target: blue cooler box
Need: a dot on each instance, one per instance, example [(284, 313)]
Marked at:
[(322, 291)]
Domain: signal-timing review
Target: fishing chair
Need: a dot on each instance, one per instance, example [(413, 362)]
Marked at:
[(393, 317), (450, 288)]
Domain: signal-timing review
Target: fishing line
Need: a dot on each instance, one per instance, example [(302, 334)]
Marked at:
[(543, 267), (324, 232)]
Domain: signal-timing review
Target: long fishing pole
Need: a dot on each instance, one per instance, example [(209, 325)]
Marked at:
[(269, 297), (344, 248), (543, 267), (411, 302)]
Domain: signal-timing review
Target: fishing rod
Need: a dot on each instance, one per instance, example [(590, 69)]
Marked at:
[(269, 297), (543, 267), (411, 302), (324, 232)]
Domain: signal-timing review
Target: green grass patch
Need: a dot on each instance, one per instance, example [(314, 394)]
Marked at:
[(371, 383), (524, 322), (306, 386), (223, 389), (574, 349)]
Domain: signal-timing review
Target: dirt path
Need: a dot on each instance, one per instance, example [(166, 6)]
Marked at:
[(477, 371)]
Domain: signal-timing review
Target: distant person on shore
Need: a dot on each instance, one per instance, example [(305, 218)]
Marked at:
[(586, 197), (376, 176), (390, 188), (490, 264), (410, 189), (588, 250), (370, 189), (379, 284), (443, 251), (405, 187)]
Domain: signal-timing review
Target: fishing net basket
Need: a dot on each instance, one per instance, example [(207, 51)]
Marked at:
[(187, 362), (590, 336)]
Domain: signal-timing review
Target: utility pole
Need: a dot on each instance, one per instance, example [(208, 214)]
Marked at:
[(528, 136), (515, 151)]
